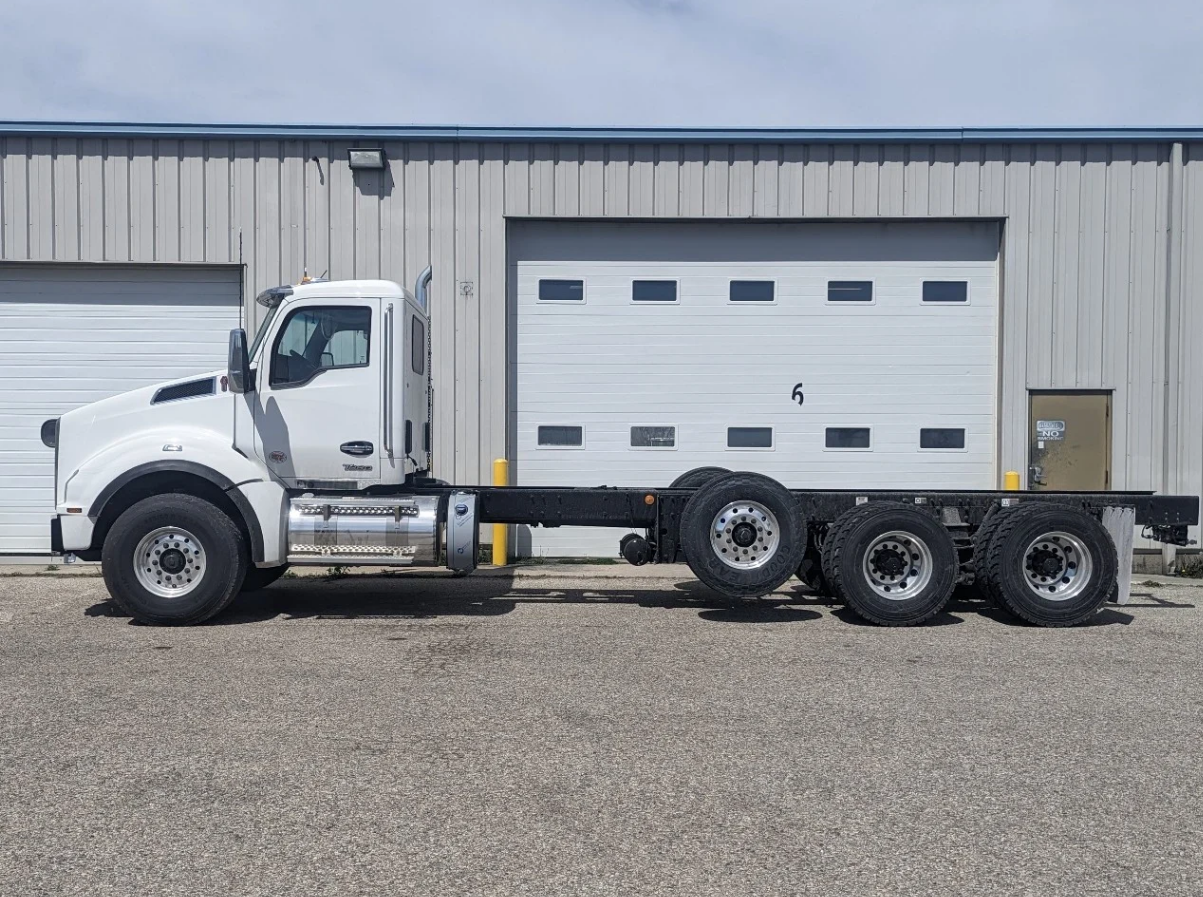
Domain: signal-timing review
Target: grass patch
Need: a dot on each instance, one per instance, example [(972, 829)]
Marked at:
[(1191, 567)]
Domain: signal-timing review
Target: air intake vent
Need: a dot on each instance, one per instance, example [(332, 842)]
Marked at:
[(189, 390)]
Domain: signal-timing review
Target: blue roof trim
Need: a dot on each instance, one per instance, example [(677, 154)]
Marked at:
[(598, 135)]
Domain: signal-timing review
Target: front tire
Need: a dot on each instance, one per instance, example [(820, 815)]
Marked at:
[(173, 560)]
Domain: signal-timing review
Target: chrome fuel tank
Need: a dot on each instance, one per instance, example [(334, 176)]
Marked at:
[(394, 531)]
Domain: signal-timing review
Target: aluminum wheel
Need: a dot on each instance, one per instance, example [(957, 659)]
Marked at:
[(898, 565), (1057, 566), (745, 535), (169, 562)]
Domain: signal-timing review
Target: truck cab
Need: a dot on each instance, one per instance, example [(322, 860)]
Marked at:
[(186, 491), (334, 394)]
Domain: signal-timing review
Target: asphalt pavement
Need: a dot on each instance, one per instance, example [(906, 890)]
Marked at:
[(589, 731)]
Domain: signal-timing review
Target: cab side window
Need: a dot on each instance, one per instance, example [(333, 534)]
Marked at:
[(317, 339)]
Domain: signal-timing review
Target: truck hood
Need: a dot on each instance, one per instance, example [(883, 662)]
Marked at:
[(171, 411)]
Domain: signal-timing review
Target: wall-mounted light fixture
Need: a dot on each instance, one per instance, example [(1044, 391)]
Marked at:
[(365, 158)]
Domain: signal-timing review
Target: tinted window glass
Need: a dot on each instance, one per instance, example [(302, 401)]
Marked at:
[(752, 290), (749, 437), (320, 339), (654, 291), (945, 291), (848, 437), (565, 436), (561, 290), (417, 347), (850, 291), (942, 438), (653, 437)]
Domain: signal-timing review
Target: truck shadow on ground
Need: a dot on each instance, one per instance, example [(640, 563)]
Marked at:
[(407, 596)]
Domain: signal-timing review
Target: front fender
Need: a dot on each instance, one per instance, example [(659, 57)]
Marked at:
[(102, 476), (99, 477)]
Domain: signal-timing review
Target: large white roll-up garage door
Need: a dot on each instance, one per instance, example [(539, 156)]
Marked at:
[(826, 355), (72, 334)]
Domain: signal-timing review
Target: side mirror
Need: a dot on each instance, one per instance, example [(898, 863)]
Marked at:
[(241, 379)]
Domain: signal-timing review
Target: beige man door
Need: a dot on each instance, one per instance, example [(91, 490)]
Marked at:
[(1070, 441)]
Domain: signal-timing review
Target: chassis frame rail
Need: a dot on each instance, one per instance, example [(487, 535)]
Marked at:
[(659, 510)]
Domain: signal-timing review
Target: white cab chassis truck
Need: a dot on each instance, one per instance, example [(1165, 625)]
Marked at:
[(313, 447)]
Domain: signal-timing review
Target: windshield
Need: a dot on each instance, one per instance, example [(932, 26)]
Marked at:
[(264, 326)]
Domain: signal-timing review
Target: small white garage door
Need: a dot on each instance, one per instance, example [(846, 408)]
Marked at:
[(826, 355), (72, 334)]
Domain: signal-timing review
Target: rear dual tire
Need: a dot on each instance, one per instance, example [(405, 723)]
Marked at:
[(890, 563), (1048, 565)]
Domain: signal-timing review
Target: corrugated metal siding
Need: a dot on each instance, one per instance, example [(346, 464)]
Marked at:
[(1085, 270)]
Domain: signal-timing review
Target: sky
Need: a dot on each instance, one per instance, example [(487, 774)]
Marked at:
[(703, 63)]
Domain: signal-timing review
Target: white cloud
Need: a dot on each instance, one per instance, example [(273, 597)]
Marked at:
[(606, 62)]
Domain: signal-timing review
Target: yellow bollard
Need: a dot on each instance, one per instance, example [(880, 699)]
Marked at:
[(1011, 481), (501, 531)]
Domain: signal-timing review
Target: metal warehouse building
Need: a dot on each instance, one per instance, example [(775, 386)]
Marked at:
[(834, 308)]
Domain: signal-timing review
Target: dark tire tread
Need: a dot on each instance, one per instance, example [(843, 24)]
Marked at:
[(695, 535), (998, 557), (839, 546), (845, 521), (225, 546), (697, 477), (981, 544)]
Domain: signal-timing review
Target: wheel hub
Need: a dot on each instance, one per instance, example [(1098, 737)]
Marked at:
[(1057, 566), (897, 565), (889, 561), (172, 560), (744, 535), (169, 562)]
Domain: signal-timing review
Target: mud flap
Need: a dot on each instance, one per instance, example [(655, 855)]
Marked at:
[(1120, 523)]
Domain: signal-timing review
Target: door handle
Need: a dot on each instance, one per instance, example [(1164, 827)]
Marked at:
[(358, 449), (1036, 472)]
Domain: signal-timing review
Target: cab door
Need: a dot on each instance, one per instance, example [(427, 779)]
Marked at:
[(318, 402)]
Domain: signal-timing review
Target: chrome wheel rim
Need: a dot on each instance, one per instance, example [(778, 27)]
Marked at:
[(897, 565), (1057, 566), (745, 535), (169, 562)]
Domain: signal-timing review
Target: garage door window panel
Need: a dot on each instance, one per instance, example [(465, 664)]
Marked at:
[(553, 290), (750, 438), (318, 339), (942, 439), (758, 292), (560, 436), (653, 438), (660, 292), (946, 291), (848, 439), (851, 291)]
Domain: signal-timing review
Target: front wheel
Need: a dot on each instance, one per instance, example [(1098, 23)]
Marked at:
[(173, 560)]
